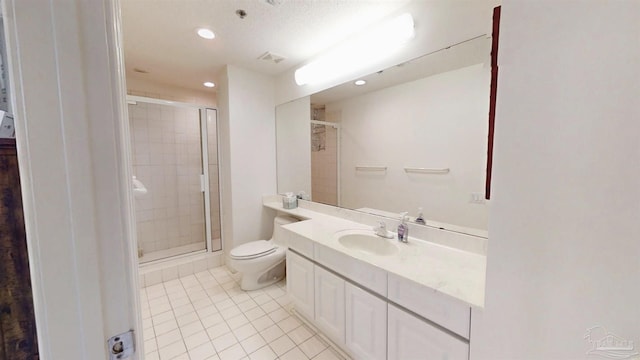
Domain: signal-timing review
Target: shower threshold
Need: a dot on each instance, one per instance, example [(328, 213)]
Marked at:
[(169, 253)]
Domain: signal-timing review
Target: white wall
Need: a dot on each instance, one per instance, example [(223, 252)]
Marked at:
[(438, 24), (564, 243), (248, 159), (435, 122), (293, 146), (224, 131)]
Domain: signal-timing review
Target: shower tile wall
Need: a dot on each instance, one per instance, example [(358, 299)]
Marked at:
[(324, 164), (214, 193), (324, 171), (167, 159)]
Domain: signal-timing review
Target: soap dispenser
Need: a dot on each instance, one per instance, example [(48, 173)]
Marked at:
[(403, 228)]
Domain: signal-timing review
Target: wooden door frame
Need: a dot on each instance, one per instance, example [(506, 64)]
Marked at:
[(493, 94)]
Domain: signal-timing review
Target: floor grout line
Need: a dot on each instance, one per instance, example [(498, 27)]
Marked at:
[(219, 289)]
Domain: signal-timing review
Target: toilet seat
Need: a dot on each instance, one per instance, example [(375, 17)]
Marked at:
[(253, 249)]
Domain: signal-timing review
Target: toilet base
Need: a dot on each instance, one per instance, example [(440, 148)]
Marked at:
[(262, 279)]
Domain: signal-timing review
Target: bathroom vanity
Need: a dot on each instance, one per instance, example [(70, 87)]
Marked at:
[(378, 298)]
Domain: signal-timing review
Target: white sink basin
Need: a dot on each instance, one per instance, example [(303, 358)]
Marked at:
[(368, 243)]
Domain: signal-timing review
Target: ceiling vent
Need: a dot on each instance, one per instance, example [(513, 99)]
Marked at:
[(271, 57)]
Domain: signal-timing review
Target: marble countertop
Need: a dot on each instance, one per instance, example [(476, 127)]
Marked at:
[(456, 273)]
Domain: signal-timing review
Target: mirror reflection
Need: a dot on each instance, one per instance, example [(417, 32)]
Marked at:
[(411, 138)]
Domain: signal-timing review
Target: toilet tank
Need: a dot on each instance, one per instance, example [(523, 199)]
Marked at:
[(277, 230)]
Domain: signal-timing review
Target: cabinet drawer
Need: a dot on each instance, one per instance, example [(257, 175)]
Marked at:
[(362, 273), (431, 305), (411, 338), (300, 244)]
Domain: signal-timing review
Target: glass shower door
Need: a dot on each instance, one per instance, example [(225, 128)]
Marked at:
[(167, 159)]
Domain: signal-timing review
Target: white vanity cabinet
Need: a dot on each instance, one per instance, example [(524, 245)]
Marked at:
[(447, 313), (372, 313), (300, 282), (366, 324), (367, 275), (411, 338), (330, 304)]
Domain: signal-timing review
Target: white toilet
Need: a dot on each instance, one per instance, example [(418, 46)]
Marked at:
[(261, 262)]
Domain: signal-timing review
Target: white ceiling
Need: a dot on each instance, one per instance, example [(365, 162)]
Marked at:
[(159, 35)]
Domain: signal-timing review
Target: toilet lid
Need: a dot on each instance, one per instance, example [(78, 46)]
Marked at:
[(253, 249)]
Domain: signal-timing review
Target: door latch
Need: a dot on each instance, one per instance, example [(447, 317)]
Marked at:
[(121, 346)]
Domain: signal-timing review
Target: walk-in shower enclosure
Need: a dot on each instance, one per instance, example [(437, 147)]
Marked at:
[(174, 155)]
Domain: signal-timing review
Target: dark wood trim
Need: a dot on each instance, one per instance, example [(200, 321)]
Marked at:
[(18, 338), (7, 143), (492, 98)]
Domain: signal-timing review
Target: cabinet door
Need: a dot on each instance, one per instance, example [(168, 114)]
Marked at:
[(366, 318), (300, 283), (411, 338), (330, 304)]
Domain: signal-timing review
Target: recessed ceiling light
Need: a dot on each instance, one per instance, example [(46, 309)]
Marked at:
[(360, 82), (206, 33), (209, 84)]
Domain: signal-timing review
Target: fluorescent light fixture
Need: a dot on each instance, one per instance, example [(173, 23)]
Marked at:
[(364, 50), (209, 84), (360, 82), (206, 34)]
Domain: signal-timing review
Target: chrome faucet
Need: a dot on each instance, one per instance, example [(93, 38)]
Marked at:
[(381, 230)]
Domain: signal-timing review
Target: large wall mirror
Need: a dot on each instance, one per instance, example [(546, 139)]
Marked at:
[(413, 136)]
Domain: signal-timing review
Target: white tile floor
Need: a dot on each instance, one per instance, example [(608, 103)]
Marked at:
[(207, 316)]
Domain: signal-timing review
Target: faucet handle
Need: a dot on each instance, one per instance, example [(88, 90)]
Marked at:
[(380, 227), (381, 230)]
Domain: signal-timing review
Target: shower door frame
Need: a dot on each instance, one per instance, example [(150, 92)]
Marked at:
[(338, 136), (204, 132), (204, 176)]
